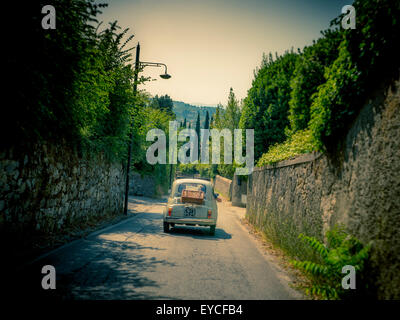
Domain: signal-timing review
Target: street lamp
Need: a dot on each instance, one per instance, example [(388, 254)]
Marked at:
[(156, 64), (138, 64)]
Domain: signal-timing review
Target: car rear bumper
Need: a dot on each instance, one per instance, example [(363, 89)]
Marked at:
[(200, 222)]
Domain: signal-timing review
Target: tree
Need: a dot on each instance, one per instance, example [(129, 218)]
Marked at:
[(197, 128), (232, 112), (76, 88), (218, 117), (266, 107), (226, 118), (163, 103), (308, 75), (207, 121)]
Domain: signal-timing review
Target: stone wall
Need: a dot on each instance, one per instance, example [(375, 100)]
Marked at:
[(223, 186), (360, 190), (142, 185), (53, 188)]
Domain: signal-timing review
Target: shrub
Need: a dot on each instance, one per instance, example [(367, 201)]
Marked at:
[(299, 143), (367, 57), (341, 250), (332, 108), (309, 75)]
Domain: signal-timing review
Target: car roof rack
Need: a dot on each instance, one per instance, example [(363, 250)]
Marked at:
[(191, 176)]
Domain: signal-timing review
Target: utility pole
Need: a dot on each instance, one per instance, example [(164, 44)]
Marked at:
[(135, 77)]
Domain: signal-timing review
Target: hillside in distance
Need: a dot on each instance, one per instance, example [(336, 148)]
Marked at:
[(184, 110)]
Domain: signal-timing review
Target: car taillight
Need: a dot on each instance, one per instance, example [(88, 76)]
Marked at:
[(169, 211), (209, 214)]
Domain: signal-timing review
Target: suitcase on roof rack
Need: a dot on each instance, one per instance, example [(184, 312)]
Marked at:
[(192, 196)]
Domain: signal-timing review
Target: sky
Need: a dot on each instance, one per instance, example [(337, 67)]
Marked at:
[(210, 46)]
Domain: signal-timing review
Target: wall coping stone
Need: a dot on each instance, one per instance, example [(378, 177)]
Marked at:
[(302, 158)]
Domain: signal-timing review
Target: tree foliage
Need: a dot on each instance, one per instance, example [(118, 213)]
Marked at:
[(226, 118), (366, 57), (75, 86), (308, 75), (321, 89), (266, 107), (164, 103), (207, 121)]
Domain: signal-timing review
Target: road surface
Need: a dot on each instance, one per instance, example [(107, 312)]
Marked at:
[(135, 259)]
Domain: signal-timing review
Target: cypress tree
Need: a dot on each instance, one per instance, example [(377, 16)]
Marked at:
[(207, 121), (197, 128)]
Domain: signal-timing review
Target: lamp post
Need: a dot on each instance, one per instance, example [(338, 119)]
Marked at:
[(138, 64)]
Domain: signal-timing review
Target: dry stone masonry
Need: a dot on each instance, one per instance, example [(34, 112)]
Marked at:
[(361, 190), (53, 188)]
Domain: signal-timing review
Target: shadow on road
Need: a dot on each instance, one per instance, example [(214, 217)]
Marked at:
[(114, 264), (116, 273), (97, 269), (147, 201), (151, 225), (200, 233)]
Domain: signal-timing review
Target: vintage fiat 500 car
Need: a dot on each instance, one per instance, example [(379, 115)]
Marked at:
[(191, 202)]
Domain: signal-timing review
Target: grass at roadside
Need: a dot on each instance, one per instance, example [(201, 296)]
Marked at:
[(299, 280)]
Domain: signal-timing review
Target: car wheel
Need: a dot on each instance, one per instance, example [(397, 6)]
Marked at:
[(212, 230), (166, 227)]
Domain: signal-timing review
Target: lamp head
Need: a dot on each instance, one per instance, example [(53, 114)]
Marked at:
[(165, 76)]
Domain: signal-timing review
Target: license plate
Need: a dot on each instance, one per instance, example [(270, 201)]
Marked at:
[(189, 212)]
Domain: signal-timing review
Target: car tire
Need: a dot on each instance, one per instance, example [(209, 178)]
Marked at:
[(212, 230), (166, 227)]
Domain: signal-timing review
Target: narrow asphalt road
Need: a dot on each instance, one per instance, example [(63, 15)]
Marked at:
[(135, 259)]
